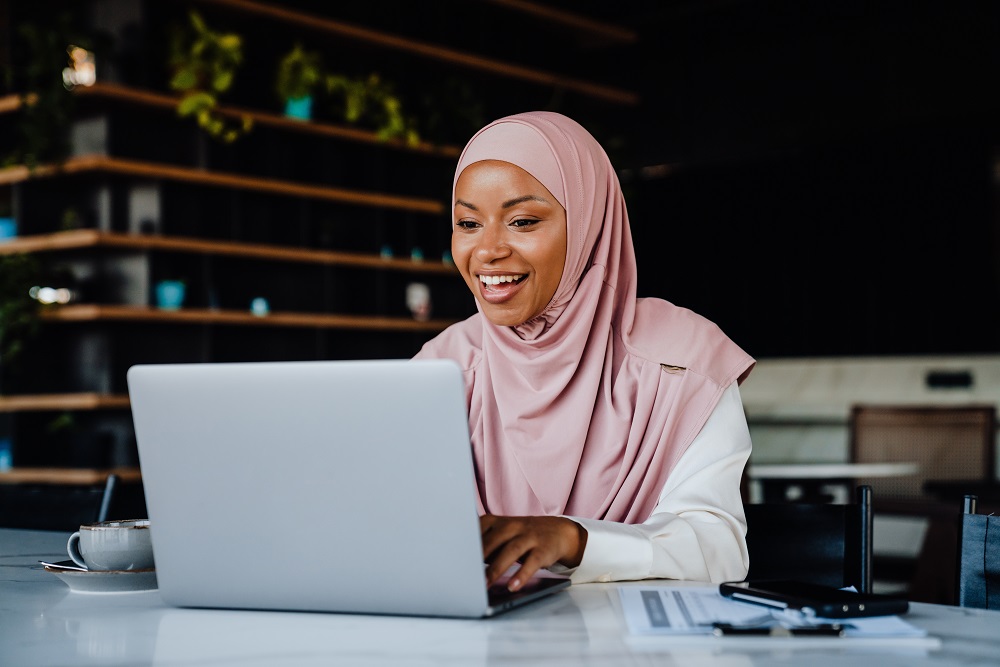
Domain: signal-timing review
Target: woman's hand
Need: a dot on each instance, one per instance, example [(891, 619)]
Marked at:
[(534, 541)]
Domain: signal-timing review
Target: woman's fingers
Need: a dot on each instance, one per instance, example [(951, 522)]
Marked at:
[(529, 566), (501, 549), (496, 531), (536, 542)]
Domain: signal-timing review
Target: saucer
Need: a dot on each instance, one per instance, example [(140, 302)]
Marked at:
[(111, 581)]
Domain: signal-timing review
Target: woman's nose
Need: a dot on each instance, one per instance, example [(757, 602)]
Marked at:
[(492, 244)]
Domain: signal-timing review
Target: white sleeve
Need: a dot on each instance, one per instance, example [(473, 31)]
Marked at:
[(698, 529)]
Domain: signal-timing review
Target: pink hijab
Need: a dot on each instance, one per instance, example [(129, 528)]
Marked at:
[(584, 410)]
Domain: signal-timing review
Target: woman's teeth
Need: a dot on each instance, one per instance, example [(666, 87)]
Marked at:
[(496, 280)]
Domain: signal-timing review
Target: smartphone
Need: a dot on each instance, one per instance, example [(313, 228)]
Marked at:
[(814, 599)]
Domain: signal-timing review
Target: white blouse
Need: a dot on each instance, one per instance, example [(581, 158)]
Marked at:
[(698, 529)]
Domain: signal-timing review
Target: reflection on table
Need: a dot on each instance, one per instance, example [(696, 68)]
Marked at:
[(43, 623), (819, 482)]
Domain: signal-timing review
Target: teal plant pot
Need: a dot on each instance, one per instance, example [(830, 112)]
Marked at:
[(299, 108), (6, 454), (170, 294), (8, 228)]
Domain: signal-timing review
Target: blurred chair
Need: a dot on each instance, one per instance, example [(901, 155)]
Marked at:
[(947, 442), (952, 445), (821, 543), (47, 506), (978, 580)]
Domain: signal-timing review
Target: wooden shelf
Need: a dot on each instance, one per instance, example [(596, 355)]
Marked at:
[(425, 50), (94, 312), (576, 22), (81, 476), (93, 238), (121, 93), (81, 401), (129, 95), (14, 102), (113, 165)]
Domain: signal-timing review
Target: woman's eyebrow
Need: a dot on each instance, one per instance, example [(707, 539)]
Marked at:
[(507, 204), (518, 200)]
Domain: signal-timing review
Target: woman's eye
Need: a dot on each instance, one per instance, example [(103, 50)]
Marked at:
[(523, 222), (467, 224)]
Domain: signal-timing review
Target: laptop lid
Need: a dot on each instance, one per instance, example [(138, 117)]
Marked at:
[(342, 486)]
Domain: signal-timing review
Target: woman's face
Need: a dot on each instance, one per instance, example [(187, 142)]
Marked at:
[(508, 241)]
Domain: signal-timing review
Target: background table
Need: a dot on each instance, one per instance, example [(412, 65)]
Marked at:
[(43, 623), (806, 482)]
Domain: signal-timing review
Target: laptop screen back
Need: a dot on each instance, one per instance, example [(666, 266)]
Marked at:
[(321, 486)]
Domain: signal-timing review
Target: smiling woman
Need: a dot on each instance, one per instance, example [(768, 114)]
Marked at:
[(607, 431), (509, 241)]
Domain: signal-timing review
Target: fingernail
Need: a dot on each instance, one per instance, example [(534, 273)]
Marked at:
[(514, 585)]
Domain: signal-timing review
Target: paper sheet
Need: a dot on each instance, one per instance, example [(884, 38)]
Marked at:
[(673, 610)]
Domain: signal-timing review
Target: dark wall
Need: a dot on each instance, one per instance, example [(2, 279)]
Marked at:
[(879, 246), (831, 173)]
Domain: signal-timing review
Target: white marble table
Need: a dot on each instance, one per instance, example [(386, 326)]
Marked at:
[(43, 623)]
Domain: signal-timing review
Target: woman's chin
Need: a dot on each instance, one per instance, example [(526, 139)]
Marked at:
[(503, 316)]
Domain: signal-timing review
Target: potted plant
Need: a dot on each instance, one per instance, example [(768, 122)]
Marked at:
[(371, 101), (204, 64), (300, 73)]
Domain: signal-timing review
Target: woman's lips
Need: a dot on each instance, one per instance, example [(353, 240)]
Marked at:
[(500, 292)]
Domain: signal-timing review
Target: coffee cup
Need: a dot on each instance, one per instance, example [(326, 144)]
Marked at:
[(112, 545)]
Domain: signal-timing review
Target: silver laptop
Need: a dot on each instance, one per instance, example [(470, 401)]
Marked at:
[(340, 486)]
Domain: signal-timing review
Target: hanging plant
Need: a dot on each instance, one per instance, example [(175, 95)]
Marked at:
[(204, 64), (372, 102)]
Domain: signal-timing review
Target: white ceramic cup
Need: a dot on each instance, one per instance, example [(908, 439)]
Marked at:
[(112, 545)]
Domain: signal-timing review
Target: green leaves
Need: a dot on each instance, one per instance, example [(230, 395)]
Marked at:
[(194, 103), (205, 63), (373, 102), (299, 74), (184, 79)]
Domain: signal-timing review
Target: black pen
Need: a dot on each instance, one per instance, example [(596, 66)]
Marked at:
[(822, 630)]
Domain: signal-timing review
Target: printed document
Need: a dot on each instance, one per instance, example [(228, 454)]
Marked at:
[(693, 610)]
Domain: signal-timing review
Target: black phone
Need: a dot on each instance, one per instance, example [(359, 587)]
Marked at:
[(814, 599)]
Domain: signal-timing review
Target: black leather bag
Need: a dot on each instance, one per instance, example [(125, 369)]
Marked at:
[(979, 562)]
